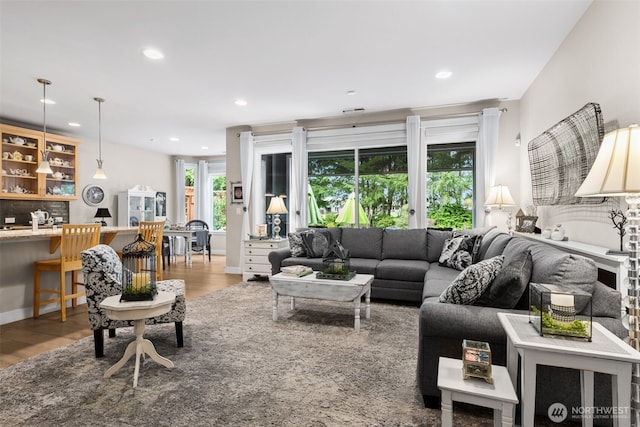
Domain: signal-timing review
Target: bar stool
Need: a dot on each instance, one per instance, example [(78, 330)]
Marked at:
[(152, 233), (75, 239)]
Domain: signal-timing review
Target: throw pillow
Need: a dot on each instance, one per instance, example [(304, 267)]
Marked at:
[(472, 282), (316, 243), (457, 252), (510, 284), (296, 245)]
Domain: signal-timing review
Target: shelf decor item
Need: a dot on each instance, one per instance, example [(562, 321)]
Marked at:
[(560, 311), (139, 271), (476, 360), (335, 263)]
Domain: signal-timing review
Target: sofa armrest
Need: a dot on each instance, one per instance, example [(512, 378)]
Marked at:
[(276, 257)]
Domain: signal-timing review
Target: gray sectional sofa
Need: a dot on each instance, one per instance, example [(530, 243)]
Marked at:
[(405, 266)]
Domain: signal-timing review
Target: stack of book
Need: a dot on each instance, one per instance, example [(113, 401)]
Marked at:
[(296, 270)]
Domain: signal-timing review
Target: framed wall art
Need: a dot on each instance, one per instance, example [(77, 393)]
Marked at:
[(528, 224), (237, 195)]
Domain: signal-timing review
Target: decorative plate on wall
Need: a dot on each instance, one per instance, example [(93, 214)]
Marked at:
[(93, 195)]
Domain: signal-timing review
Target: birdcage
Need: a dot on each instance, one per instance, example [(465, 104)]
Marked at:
[(139, 271)]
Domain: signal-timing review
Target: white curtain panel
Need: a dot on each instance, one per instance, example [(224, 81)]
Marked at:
[(203, 193), (298, 216), (246, 170), (180, 193), (417, 170), (486, 150)]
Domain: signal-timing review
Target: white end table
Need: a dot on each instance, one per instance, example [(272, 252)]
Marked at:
[(138, 311), (605, 353), (500, 395)]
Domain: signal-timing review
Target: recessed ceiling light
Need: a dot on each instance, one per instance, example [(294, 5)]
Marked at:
[(351, 92), (204, 147), (152, 53), (240, 102), (444, 74), (74, 124), (48, 101), (174, 139)]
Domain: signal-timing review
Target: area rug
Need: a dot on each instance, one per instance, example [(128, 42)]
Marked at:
[(238, 368)]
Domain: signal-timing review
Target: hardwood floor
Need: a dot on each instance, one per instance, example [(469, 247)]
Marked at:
[(30, 337)]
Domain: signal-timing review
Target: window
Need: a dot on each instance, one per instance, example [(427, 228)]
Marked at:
[(450, 185), (276, 173), (219, 202), (381, 177), (189, 193)]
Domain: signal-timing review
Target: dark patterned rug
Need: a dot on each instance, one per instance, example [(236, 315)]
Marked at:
[(238, 368)]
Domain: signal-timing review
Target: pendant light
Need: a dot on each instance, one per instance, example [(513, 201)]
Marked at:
[(44, 167), (99, 172)]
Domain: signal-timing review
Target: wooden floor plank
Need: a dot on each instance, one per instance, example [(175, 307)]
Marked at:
[(30, 337)]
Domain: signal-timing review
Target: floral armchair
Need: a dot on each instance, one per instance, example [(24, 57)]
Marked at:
[(102, 271)]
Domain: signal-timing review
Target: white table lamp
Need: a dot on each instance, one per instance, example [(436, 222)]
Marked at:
[(616, 172), (276, 207), (500, 196)]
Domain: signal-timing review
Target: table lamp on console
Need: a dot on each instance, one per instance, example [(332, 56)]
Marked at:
[(616, 172), (102, 213), (276, 208)]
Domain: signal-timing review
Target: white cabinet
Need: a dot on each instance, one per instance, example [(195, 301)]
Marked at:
[(135, 205), (256, 257)]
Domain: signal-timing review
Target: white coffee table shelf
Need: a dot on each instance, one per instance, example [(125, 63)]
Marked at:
[(324, 289)]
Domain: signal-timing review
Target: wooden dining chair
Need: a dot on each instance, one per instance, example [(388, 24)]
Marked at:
[(152, 233), (75, 238)]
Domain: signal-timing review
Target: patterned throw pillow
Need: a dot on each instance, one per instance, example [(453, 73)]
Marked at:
[(316, 242), (458, 252), (296, 245), (472, 281)]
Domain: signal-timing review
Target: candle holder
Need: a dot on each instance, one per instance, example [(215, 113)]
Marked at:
[(560, 311)]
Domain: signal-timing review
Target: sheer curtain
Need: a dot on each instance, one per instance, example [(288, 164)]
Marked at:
[(203, 193), (486, 150), (246, 170), (417, 170), (298, 202), (180, 193)]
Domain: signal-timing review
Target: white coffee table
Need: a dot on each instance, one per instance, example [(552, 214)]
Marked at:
[(500, 396), (324, 289), (605, 353), (138, 311)]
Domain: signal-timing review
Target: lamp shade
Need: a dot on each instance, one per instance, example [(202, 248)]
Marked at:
[(102, 213), (276, 206), (500, 196), (616, 170)]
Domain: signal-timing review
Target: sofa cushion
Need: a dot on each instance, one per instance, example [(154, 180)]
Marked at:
[(435, 243), (404, 244), (554, 266), (316, 242), (487, 239), (497, 245), (472, 281), (510, 284), (363, 265), (412, 270), (458, 252), (437, 279), (363, 242)]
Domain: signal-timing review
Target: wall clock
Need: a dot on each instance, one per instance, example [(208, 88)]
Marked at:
[(93, 195)]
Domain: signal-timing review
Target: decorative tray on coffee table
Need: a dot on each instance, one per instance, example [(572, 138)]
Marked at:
[(348, 276)]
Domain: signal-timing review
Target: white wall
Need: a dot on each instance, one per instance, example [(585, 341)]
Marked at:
[(125, 167), (598, 62)]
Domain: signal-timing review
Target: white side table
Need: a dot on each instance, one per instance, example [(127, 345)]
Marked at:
[(138, 311), (500, 395)]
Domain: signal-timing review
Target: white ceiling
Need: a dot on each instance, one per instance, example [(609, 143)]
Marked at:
[(289, 60)]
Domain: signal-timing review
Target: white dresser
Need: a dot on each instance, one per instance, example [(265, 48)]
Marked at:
[(256, 256)]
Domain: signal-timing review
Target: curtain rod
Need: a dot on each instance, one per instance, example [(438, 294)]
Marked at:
[(342, 126)]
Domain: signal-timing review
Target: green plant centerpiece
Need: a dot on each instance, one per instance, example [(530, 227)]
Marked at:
[(560, 311), (335, 263), (577, 328)]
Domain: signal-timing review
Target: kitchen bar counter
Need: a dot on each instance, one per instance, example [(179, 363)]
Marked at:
[(20, 248)]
